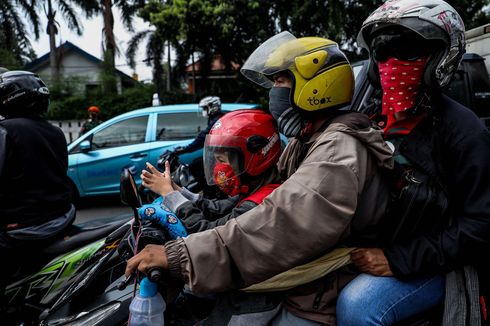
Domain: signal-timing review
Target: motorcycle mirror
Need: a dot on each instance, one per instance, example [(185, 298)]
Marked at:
[(129, 190)]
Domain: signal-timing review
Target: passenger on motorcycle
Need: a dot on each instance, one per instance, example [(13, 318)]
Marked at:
[(35, 201), (211, 108), (332, 193), (441, 205), (240, 156)]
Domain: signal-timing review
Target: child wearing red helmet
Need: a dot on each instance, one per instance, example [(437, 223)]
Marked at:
[(240, 156)]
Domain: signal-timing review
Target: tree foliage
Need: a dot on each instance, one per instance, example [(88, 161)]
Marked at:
[(15, 45), (200, 29)]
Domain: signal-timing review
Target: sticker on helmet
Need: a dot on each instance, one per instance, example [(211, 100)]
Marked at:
[(217, 125), (272, 140), (43, 90)]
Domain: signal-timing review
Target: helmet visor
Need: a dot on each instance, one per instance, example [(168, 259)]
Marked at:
[(222, 150), (274, 55)]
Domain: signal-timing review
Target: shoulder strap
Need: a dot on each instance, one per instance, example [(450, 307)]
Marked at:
[(258, 196)]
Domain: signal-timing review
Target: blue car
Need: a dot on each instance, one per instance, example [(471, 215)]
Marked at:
[(129, 140)]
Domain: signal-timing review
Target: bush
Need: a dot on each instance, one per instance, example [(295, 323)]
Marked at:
[(75, 107)]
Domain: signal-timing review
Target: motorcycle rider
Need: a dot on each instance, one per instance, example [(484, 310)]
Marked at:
[(211, 108), (443, 158), (240, 156), (35, 201), (332, 193), (92, 121)]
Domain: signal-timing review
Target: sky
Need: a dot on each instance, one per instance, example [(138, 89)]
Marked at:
[(91, 41)]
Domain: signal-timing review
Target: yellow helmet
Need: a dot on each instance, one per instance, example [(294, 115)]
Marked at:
[(322, 76)]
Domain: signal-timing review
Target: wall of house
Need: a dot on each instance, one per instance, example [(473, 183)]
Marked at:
[(77, 67)]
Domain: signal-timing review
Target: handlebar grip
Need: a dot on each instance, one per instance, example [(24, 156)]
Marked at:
[(154, 274)]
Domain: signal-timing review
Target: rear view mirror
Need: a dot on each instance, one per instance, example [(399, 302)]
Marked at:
[(85, 146), (129, 190)]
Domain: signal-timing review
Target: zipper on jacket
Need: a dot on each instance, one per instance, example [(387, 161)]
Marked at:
[(326, 284)]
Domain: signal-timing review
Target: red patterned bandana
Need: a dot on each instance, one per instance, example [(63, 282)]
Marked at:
[(226, 180), (400, 81)]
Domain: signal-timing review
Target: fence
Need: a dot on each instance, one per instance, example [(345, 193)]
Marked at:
[(70, 128)]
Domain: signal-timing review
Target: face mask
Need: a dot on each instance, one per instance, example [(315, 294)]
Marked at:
[(400, 81), (226, 180), (289, 121)]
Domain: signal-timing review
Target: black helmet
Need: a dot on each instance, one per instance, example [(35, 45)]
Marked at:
[(22, 93)]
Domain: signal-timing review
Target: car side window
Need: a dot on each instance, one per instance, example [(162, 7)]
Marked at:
[(126, 132), (179, 126)]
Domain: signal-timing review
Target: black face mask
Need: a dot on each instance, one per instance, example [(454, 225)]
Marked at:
[(289, 120)]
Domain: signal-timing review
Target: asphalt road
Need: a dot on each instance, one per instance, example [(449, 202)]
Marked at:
[(107, 207)]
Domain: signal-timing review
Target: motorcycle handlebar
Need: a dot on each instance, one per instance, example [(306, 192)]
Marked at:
[(154, 274)]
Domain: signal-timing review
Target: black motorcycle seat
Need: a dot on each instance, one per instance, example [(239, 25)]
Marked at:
[(79, 235)]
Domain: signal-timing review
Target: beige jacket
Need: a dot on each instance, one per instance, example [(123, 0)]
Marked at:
[(335, 192)]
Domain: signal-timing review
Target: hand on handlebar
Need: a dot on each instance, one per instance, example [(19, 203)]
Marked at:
[(150, 258)]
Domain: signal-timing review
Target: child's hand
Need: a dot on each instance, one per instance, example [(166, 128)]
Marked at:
[(156, 181)]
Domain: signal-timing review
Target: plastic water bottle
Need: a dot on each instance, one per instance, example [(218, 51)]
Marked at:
[(147, 306)]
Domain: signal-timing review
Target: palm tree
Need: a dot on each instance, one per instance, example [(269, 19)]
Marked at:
[(68, 12), (128, 10), (154, 53), (14, 37)]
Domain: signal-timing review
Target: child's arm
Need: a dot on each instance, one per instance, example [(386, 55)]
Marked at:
[(194, 220)]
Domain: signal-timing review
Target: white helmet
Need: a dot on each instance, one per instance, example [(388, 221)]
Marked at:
[(211, 105), (434, 20)]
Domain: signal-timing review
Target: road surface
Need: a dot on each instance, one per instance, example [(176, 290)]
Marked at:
[(94, 208)]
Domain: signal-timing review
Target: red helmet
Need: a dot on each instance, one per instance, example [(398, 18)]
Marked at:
[(93, 109), (245, 139)]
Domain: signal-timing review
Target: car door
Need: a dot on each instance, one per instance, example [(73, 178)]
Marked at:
[(176, 129), (122, 144)]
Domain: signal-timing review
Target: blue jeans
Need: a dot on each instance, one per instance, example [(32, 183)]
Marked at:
[(376, 300)]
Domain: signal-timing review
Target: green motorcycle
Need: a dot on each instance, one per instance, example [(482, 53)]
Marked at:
[(76, 280)]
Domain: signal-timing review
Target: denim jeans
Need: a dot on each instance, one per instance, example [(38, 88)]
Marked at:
[(376, 300)]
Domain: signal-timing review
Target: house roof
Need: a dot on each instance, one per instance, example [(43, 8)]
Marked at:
[(217, 65), (68, 46)]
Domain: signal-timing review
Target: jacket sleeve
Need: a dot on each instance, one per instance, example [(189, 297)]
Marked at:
[(306, 216), (214, 209), (466, 240), (194, 220)]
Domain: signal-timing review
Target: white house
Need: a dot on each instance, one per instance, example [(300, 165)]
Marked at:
[(78, 66)]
